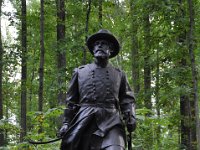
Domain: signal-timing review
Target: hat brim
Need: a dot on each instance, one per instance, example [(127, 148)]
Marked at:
[(103, 36)]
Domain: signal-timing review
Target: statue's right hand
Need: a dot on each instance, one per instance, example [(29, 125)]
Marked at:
[(63, 129)]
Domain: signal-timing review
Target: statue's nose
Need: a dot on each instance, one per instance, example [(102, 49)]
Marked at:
[(100, 45)]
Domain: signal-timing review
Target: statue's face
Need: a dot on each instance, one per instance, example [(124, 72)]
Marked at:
[(102, 49)]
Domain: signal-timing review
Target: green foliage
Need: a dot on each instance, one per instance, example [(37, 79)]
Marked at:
[(10, 128), (157, 128), (164, 132)]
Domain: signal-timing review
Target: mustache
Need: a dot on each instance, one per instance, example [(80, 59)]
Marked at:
[(101, 50)]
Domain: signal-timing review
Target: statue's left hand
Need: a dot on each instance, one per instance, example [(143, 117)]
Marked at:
[(131, 124)]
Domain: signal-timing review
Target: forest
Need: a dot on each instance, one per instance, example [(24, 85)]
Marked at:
[(42, 42)]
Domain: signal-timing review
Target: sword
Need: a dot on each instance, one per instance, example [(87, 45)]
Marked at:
[(129, 141), (129, 138), (60, 137), (45, 142)]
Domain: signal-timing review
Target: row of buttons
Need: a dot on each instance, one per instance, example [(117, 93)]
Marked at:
[(94, 86)]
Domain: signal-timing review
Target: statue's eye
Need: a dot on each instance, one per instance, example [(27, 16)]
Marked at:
[(104, 43), (100, 43), (96, 43)]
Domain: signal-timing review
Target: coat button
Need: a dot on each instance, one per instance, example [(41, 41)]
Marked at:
[(107, 91), (93, 90)]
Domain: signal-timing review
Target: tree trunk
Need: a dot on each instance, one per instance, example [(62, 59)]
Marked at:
[(185, 119), (186, 105), (147, 70), (134, 48), (41, 69), (191, 43), (147, 66), (86, 29), (42, 53), (1, 83), (61, 52), (100, 14), (23, 70)]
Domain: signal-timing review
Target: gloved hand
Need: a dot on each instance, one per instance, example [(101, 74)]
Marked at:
[(128, 113), (131, 124), (63, 129)]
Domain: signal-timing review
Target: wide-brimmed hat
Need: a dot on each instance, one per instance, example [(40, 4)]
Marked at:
[(104, 34)]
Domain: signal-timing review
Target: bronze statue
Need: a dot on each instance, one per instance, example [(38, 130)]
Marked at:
[(99, 101)]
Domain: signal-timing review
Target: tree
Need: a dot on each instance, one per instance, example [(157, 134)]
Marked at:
[(134, 48), (100, 14), (61, 52), (187, 102), (23, 70), (1, 79), (191, 46), (42, 54), (86, 28), (147, 63)]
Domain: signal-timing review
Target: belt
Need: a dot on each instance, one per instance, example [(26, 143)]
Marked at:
[(99, 105)]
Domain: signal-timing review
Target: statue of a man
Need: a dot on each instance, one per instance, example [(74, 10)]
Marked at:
[(100, 103)]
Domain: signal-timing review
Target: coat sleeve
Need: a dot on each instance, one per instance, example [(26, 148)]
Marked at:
[(126, 98), (73, 90), (72, 99)]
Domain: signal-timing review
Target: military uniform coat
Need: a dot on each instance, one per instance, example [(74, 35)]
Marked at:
[(102, 94)]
